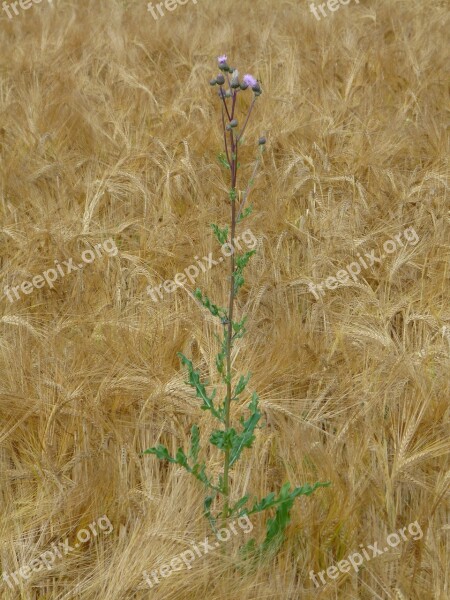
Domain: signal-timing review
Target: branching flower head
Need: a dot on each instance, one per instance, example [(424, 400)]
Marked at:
[(222, 62), (249, 80)]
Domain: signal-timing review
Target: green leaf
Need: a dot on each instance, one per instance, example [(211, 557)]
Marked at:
[(239, 504), (198, 470), (240, 387), (276, 525), (216, 311), (232, 194), (241, 263), (229, 439), (238, 328), (221, 234), (195, 443), (246, 438), (271, 500), (181, 458), (194, 381), (223, 160), (223, 439), (160, 452), (207, 511), (245, 213)]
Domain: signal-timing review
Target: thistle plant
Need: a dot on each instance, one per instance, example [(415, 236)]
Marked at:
[(232, 438)]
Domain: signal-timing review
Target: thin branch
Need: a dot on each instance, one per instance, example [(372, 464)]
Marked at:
[(224, 103), (225, 138), (249, 186), (246, 120)]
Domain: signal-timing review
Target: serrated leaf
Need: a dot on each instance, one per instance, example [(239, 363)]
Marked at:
[(239, 504), (245, 213), (160, 452), (215, 310), (242, 261), (194, 381), (195, 443), (240, 387), (221, 234), (247, 437), (223, 439), (223, 161)]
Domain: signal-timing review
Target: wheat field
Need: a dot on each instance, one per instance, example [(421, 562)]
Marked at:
[(109, 130)]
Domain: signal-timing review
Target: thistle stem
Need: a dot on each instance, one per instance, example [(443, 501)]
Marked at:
[(231, 298)]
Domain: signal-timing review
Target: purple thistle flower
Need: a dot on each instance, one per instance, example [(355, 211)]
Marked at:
[(222, 60), (250, 80)]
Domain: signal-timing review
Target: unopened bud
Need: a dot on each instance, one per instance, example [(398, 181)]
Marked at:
[(262, 141), (220, 79), (234, 123), (213, 82), (235, 80)]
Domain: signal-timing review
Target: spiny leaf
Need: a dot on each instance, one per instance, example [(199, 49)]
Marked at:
[(223, 439), (195, 443), (194, 381), (245, 213), (238, 328), (271, 500), (223, 160), (160, 452), (216, 311), (207, 511), (198, 470), (221, 234), (242, 261), (240, 387), (246, 439), (239, 504)]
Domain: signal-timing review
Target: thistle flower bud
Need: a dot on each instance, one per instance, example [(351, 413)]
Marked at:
[(235, 79), (256, 87), (222, 62), (243, 85), (213, 82), (234, 123), (228, 127), (262, 141), (220, 79), (228, 94)]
